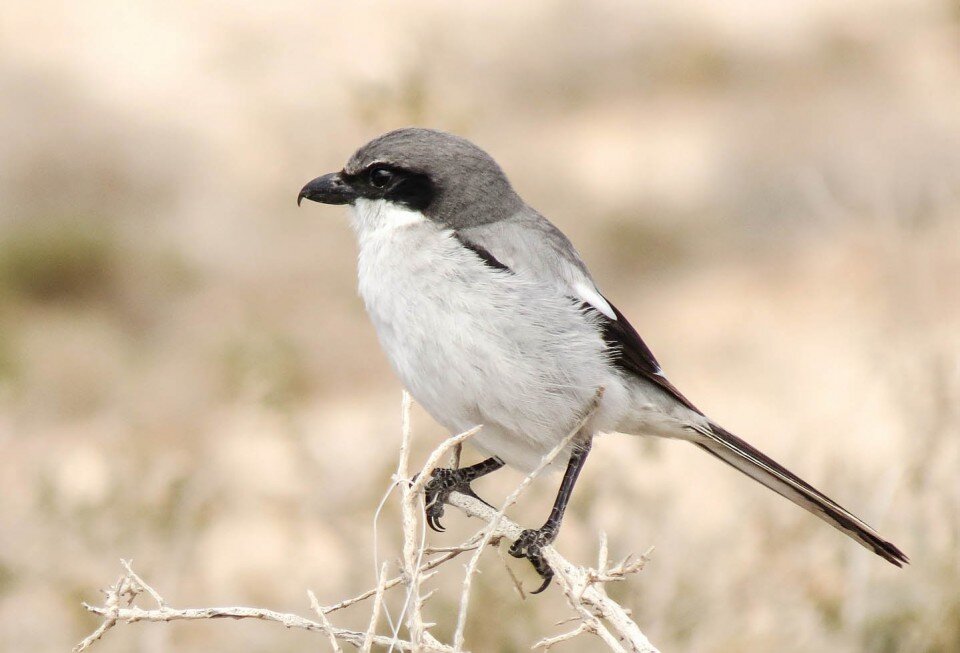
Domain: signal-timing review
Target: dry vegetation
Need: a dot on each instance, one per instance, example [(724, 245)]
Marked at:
[(593, 611), (771, 193)]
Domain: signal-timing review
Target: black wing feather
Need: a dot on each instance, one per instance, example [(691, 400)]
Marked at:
[(483, 253), (631, 355)]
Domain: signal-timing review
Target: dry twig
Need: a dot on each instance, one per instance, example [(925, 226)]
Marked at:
[(130, 586), (583, 587), (375, 612), (315, 606)]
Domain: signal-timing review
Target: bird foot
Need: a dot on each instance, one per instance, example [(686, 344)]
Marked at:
[(529, 545), (442, 482)]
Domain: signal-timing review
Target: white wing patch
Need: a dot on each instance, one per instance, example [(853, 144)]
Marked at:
[(590, 295)]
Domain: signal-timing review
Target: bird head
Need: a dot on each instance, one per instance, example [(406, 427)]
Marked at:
[(445, 177)]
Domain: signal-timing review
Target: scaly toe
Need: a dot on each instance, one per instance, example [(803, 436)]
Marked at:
[(529, 545), (437, 492)]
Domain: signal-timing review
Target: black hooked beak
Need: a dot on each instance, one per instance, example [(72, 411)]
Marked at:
[(328, 189)]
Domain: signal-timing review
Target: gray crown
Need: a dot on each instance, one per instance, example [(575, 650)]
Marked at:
[(469, 187)]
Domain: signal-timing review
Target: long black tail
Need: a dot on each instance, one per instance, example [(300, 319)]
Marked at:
[(760, 467)]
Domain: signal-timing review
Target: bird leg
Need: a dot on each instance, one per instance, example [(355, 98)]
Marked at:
[(531, 542), (444, 481)]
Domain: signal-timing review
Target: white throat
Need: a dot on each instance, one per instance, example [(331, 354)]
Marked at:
[(375, 217)]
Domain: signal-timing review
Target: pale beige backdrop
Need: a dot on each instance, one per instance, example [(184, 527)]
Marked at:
[(771, 192)]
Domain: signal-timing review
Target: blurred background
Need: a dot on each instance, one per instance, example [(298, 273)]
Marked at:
[(771, 192)]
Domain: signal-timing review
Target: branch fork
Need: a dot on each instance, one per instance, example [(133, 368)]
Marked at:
[(595, 613)]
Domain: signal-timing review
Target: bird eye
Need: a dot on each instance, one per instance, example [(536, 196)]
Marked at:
[(380, 177)]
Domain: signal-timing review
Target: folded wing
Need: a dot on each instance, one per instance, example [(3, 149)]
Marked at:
[(530, 244)]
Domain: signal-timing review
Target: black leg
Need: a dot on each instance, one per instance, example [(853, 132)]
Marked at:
[(445, 481), (530, 542)]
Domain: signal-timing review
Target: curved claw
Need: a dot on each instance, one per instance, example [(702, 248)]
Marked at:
[(546, 583), (434, 523), (529, 546), (434, 510)]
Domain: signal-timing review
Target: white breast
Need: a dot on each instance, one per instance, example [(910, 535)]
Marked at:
[(476, 345)]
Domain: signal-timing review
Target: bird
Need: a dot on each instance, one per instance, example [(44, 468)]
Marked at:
[(489, 316)]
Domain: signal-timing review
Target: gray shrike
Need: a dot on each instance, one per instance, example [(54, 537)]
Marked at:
[(489, 316)]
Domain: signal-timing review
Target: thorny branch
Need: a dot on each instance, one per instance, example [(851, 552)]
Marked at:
[(595, 612)]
